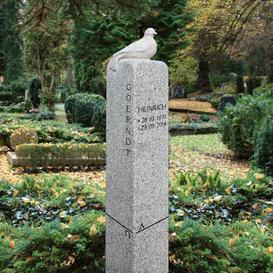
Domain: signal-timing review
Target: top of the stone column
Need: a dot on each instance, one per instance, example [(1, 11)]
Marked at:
[(137, 63)]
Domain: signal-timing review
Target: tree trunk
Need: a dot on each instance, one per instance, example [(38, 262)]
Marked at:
[(69, 75), (203, 81), (250, 86)]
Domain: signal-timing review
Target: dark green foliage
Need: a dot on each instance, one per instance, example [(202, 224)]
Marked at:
[(54, 248), (207, 197), (72, 240), (18, 87), (205, 248), (257, 82), (263, 156), (240, 89), (194, 128), (217, 79), (45, 115), (55, 224), (12, 109), (170, 19), (13, 93), (97, 36), (238, 124), (247, 128), (10, 42), (205, 118), (48, 198), (250, 86), (225, 238), (34, 88), (60, 155), (215, 102), (86, 109), (48, 131)]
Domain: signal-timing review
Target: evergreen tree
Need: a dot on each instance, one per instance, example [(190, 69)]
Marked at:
[(10, 42), (97, 35)]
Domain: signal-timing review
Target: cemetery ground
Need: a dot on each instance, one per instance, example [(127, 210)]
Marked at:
[(220, 212)]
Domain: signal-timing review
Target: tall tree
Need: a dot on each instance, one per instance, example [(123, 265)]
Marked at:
[(256, 45), (45, 46), (10, 41), (100, 33), (219, 26)]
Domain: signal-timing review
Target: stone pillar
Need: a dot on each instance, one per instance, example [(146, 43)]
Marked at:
[(137, 168)]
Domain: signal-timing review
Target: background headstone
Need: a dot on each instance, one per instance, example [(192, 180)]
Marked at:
[(227, 101), (137, 168)]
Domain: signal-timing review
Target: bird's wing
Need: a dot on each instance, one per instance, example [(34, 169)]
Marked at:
[(137, 46)]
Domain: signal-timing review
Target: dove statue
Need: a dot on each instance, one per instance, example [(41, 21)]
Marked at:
[(145, 48)]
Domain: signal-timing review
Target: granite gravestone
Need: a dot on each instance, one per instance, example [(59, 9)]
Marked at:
[(137, 167), (227, 101)]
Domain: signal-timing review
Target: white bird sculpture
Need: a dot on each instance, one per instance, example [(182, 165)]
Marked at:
[(145, 48)]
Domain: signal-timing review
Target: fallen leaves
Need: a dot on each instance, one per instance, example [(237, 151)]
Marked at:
[(92, 230), (191, 105), (11, 244), (195, 152), (270, 249)]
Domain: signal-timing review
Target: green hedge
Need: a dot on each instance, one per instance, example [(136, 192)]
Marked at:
[(86, 109), (239, 124), (247, 128), (48, 131), (194, 128), (42, 155), (263, 156)]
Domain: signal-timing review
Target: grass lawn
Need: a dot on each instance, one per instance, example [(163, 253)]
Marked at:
[(60, 112), (195, 152)]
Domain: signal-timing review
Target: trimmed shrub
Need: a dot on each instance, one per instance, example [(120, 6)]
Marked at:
[(238, 124), (34, 88), (263, 156), (86, 109), (23, 136), (194, 128), (48, 131), (43, 155)]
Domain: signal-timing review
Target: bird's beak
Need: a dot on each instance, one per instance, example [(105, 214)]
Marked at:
[(155, 32)]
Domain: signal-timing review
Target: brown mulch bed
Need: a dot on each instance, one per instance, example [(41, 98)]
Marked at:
[(191, 106)]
